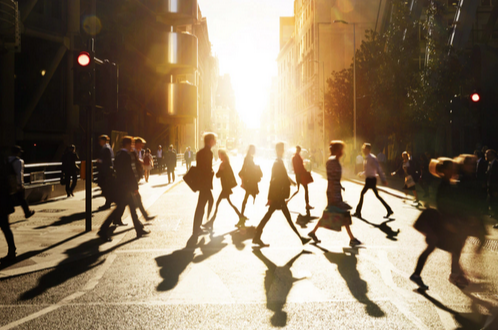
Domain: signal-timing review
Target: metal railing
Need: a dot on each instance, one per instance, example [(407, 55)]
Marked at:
[(50, 173)]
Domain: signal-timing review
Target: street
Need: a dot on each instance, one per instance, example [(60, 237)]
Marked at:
[(221, 282)]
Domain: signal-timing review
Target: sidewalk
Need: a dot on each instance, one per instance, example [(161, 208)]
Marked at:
[(57, 229)]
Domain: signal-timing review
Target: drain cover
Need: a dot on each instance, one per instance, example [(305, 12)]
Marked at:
[(51, 210)]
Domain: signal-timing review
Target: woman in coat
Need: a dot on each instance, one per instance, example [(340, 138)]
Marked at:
[(251, 175), (409, 170)]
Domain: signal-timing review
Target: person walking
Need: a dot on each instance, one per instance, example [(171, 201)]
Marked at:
[(7, 207), (17, 164), (371, 170), (381, 157), (439, 225), (334, 191), (409, 170), (204, 161), (160, 159), (127, 187), (228, 181), (358, 163), (188, 156), (105, 166), (137, 157), (70, 169), (251, 175), (279, 191), (171, 163), (148, 164), (303, 177)]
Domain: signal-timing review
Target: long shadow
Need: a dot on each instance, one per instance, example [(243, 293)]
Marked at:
[(67, 219), (304, 220), (347, 266), (30, 254), (174, 264), (383, 227), (464, 322), (278, 283), (88, 256), (161, 185), (242, 235)]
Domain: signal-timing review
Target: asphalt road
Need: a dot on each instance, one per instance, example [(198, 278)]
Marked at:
[(221, 282)]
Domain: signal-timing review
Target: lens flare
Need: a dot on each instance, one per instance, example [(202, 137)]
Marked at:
[(92, 25)]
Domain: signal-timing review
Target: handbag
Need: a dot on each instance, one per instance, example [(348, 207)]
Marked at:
[(192, 179), (332, 218), (409, 182), (306, 178)]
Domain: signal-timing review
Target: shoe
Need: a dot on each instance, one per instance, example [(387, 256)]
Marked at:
[(259, 242), (72, 194), (313, 236), (142, 232), (418, 280), (389, 213), (305, 240), (242, 222), (30, 214), (309, 207), (10, 257), (150, 217), (120, 224), (68, 195), (459, 280), (104, 236), (357, 215), (354, 242)]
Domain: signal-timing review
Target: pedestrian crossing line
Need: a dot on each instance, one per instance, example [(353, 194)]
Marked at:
[(91, 284)]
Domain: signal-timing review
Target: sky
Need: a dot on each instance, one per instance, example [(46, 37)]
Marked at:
[(245, 38)]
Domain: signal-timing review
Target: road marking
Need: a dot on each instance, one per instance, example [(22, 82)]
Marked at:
[(91, 284)]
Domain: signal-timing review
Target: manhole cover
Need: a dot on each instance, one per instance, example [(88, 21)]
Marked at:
[(51, 210)]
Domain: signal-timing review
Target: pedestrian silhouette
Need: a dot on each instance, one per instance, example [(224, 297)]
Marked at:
[(18, 195), (251, 175), (70, 169), (7, 207)]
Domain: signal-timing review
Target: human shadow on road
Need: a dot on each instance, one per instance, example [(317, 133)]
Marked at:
[(464, 322), (383, 227), (27, 255), (67, 219), (161, 185), (304, 220), (278, 283), (174, 264), (347, 266), (241, 235), (88, 256)]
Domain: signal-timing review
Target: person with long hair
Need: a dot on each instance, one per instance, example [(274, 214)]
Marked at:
[(148, 164), (409, 170), (334, 190), (225, 173), (251, 175)]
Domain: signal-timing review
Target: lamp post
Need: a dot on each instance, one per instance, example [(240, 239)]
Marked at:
[(354, 75)]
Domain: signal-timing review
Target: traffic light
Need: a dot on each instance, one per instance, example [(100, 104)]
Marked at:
[(106, 84), (84, 78), (475, 97)]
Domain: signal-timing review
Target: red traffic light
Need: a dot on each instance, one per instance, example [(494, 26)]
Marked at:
[(475, 97), (84, 59)]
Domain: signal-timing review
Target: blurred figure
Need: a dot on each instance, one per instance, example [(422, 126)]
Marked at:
[(105, 166), (382, 159), (492, 180), (371, 170), (160, 159), (204, 160), (17, 164), (334, 190), (171, 163), (148, 164), (279, 191), (137, 158), (303, 177), (409, 169), (127, 187), (481, 169), (358, 163), (188, 156), (7, 207), (425, 176), (440, 226), (225, 173), (251, 175), (70, 169)]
